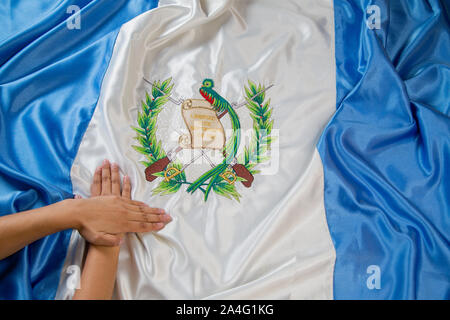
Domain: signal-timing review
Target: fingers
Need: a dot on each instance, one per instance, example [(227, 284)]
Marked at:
[(115, 179), (107, 181), (141, 209), (141, 218), (135, 226), (96, 187), (108, 240), (148, 217), (126, 188), (106, 178)]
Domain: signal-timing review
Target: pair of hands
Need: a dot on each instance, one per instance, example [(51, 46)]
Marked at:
[(109, 213)]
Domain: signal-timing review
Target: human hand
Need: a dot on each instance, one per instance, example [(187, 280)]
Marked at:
[(110, 212)]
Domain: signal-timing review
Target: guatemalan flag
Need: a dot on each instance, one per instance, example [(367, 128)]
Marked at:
[(337, 185)]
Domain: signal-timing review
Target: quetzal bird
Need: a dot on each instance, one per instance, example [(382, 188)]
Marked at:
[(219, 104)]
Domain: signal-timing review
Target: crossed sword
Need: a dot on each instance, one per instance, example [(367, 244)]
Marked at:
[(161, 164)]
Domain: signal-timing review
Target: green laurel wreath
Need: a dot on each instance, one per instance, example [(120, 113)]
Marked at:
[(150, 147), (253, 154), (261, 139)]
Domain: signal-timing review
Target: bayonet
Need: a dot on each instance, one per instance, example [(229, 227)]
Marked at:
[(236, 105), (178, 102)]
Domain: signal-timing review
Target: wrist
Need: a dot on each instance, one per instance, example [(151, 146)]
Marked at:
[(72, 213)]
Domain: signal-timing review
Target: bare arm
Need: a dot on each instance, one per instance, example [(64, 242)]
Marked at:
[(99, 272), (19, 229), (100, 220)]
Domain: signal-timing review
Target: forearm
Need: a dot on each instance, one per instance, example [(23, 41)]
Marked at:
[(20, 229), (99, 274)]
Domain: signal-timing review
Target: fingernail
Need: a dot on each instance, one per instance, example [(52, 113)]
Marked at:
[(105, 162), (161, 211), (126, 178), (114, 165), (121, 241), (159, 225)]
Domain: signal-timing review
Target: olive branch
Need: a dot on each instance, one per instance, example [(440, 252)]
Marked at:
[(261, 139)]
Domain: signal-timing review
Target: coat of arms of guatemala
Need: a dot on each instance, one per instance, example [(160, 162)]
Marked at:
[(202, 117)]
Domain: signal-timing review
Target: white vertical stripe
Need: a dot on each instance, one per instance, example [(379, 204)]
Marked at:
[(274, 243)]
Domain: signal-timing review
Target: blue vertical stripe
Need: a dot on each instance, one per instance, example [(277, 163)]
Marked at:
[(50, 80), (386, 152)]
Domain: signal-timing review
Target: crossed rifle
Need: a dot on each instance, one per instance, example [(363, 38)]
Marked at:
[(229, 176)]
